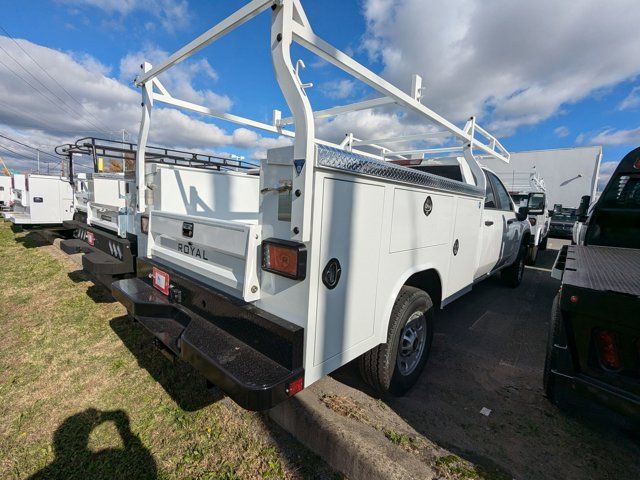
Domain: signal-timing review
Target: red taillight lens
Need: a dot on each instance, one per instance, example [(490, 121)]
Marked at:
[(144, 224), (607, 349), (285, 258), (532, 221), (636, 164), (296, 386)]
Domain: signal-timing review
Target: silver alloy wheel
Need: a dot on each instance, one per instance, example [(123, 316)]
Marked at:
[(412, 343)]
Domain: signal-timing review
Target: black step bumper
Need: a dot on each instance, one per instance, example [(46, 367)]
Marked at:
[(253, 356), (109, 258)]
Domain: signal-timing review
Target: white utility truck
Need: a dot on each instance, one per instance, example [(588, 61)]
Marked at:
[(47, 200), (106, 226), (5, 192), (349, 254), (527, 189), (19, 200)]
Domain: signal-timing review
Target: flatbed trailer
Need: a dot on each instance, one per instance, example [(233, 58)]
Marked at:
[(594, 338)]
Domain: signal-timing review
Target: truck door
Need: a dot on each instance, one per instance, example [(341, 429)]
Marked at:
[(491, 231), (511, 226)]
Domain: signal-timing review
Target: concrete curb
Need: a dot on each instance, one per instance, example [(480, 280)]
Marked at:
[(350, 447)]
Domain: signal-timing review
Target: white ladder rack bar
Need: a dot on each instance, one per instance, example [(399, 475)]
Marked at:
[(407, 138), (233, 21), (353, 107), (309, 40)]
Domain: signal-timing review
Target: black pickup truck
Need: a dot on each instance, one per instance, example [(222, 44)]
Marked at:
[(594, 338)]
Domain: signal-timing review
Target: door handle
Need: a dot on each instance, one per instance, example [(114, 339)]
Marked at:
[(488, 223), (510, 221)]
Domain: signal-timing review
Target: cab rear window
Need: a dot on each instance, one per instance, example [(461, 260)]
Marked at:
[(623, 193)]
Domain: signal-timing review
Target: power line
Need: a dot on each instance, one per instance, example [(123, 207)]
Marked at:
[(49, 75), (29, 146), (68, 109)]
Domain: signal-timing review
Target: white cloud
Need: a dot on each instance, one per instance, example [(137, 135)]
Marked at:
[(606, 170), (509, 63), (178, 80), (561, 131), (338, 89), (632, 100), (612, 136), (172, 14), (101, 106)]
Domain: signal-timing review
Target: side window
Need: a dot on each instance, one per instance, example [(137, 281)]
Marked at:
[(502, 196), (490, 197)]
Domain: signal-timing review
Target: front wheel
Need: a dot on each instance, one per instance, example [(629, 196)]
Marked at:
[(394, 367), (512, 275), (543, 243)]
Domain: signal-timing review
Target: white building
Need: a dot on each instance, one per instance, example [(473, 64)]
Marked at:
[(568, 173)]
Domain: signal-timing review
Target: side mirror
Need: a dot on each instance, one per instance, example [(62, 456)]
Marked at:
[(523, 213), (583, 208)]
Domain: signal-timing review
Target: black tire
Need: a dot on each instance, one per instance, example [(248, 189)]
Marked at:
[(512, 275), (532, 255), (379, 366), (543, 243), (548, 380)]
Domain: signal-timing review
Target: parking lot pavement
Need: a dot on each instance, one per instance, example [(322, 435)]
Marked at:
[(488, 353)]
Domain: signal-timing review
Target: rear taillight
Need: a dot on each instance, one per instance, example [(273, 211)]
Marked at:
[(285, 258), (532, 221), (607, 349), (144, 224), (295, 386), (636, 164)]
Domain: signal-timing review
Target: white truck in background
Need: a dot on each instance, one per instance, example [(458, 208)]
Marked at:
[(106, 225), (5, 192), (18, 198), (527, 189), (348, 254), (46, 200)]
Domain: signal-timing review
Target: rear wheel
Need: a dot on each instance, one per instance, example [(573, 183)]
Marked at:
[(395, 366), (512, 275)]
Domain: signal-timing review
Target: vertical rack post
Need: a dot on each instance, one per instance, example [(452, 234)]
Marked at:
[(143, 137)]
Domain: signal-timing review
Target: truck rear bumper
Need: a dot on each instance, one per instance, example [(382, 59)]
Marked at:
[(253, 356), (109, 258), (620, 401)]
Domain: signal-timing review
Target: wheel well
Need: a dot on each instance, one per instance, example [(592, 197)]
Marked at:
[(429, 281)]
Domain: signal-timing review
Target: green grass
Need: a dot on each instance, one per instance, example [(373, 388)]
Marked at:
[(83, 394)]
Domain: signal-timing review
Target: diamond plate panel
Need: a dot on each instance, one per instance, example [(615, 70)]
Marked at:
[(337, 159)]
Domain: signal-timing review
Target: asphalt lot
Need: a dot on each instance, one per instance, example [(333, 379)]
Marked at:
[(488, 352)]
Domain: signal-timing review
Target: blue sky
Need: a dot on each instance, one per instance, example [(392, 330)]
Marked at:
[(567, 81)]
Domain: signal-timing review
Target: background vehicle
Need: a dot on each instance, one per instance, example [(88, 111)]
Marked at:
[(347, 256), (594, 339), (5, 192), (46, 200), (106, 225), (562, 221), (527, 189)]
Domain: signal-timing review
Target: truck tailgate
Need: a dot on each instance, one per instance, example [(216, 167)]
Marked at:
[(225, 252)]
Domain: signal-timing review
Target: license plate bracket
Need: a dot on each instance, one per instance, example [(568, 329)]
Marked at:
[(160, 280)]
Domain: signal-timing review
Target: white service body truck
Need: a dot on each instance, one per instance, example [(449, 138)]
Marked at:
[(348, 256), (5, 192), (106, 226), (527, 189), (45, 200)]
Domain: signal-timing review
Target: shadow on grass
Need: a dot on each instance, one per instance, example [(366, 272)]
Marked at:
[(183, 384), (97, 292), (31, 239), (74, 459)]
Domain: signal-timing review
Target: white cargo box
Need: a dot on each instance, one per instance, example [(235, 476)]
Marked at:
[(49, 201)]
